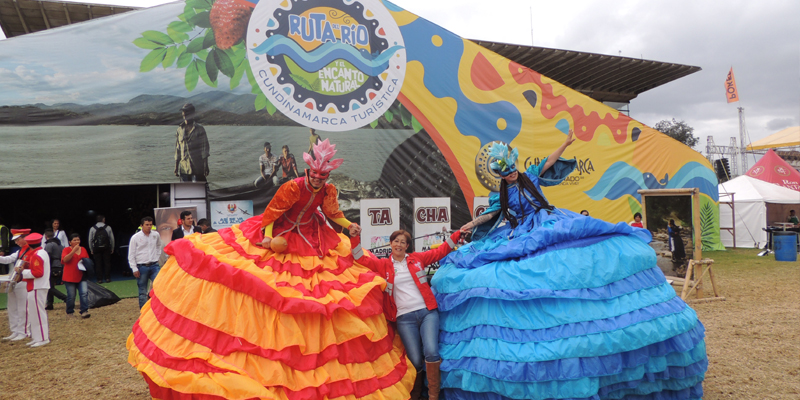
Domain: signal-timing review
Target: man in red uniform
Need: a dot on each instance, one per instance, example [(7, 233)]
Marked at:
[(36, 274), (18, 296)]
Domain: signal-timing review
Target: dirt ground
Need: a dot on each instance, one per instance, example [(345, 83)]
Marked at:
[(753, 341)]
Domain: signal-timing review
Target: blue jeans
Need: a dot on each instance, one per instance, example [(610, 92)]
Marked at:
[(83, 290), (146, 272), (419, 331)]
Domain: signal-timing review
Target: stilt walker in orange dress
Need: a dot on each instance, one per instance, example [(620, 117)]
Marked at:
[(229, 318)]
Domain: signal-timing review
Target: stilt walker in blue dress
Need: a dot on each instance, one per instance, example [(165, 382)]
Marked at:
[(557, 305)]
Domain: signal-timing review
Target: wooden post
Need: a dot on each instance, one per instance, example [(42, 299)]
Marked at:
[(698, 237), (689, 269)]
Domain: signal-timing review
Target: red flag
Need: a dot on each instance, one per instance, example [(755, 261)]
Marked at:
[(730, 88)]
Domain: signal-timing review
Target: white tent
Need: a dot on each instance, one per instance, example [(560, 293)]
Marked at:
[(757, 204)]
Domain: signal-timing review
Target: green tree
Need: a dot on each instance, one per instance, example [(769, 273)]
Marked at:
[(678, 130)]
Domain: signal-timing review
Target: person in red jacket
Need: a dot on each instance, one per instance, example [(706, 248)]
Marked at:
[(36, 274), (408, 299), (73, 276)]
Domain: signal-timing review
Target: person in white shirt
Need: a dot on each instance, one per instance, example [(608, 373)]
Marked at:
[(18, 296), (143, 253), (57, 233)]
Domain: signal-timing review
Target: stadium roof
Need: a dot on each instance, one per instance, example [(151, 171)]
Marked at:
[(19, 17), (601, 77)]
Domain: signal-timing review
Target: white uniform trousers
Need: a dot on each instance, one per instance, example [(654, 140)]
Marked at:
[(37, 316), (17, 310)]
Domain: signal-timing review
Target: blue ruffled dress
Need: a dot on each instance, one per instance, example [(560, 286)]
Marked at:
[(563, 307)]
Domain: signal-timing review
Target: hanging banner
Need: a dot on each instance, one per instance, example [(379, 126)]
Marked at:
[(431, 218), (168, 219), (224, 214), (730, 88), (379, 218)]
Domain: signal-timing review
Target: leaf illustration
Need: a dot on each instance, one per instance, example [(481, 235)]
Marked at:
[(389, 116), (152, 59), (707, 226), (195, 45), (201, 68), (143, 43), (415, 124), (169, 58), (202, 54), (208, 39), (237, 77), (224, 63), (179, 26), (252, 80), (157, 37), (301, 81), (261, 101), (200, 19), (271, 108), (176, 36), (373, 124), (405, 116), (191, 76), (211, 65), (184, 57)]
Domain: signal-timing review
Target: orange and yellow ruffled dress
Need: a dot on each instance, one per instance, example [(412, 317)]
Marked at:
[(230, 320)]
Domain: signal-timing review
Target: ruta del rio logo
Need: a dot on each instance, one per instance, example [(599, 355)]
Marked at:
[(333, 65)]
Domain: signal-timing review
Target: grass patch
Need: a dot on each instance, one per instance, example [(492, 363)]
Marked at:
[(124, 289)]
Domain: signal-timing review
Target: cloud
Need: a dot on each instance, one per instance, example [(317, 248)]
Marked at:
[(780, 123)]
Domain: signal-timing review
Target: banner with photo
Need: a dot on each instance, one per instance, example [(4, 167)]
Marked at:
[(379, 218), (169, 219), (225, 214), (432, 222), (412, 108)]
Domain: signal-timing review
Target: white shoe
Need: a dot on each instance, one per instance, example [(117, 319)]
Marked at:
[(11, 336), (40, 344), (31, 343), (19, 337)]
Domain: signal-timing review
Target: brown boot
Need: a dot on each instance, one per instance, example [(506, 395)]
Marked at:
[(434, 379), (417, 390)]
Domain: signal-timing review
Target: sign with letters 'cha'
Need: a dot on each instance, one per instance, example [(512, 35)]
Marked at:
[(431, 218)]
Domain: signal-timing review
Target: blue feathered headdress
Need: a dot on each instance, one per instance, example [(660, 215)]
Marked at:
[(505, 162)]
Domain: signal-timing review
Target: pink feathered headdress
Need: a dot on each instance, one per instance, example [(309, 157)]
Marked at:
[(321, 163)]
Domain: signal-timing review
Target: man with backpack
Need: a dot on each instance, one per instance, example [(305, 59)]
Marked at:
[(101, 246), (52, 245)]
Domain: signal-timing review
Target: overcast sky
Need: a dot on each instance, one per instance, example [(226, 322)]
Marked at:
[(760, 40)]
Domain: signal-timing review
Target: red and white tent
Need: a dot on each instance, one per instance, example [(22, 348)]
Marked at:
[(771, 168)]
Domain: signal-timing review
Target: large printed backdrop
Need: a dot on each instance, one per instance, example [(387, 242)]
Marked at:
[(100, 102)]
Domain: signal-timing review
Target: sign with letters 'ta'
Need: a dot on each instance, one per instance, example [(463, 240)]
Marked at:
[(379, 218)]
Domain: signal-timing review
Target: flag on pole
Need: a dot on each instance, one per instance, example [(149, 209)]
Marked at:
[(730, 88)]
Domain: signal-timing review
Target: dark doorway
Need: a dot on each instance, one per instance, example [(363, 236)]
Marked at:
[(77, 209)]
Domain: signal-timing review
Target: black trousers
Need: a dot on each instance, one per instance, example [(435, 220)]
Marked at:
[(102, 264), (55, 279)]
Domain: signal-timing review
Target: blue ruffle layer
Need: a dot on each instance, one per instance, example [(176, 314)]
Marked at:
[(594, 266), (641, 280), (511, 335), (680, 351), (560, 230), (518, 315), (693, 393), (580, 388)]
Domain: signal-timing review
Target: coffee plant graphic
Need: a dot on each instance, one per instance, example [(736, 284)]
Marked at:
[(208, 40)]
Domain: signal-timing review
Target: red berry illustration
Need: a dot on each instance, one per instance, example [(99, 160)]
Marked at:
[(229, 21)]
